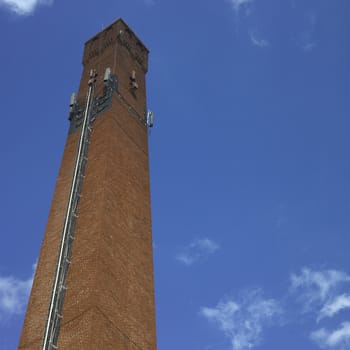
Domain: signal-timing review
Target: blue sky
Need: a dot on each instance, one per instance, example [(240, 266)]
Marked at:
[(250, 171)]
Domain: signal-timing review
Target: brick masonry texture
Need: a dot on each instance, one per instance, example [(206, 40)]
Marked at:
[(109, 303)]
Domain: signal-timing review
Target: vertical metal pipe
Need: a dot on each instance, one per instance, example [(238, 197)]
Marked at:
[(55, 289)]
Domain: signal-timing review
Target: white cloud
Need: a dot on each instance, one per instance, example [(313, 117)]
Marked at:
[(314, 288), (14, 294), (24, 7), (335, 305), (309, 46), (258, 41), (338, 339), (198, 250), (318, 291), (243, 321), (237, 4), (307, 36)]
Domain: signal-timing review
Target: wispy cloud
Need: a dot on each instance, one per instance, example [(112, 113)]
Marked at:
[(23, 7), (256, 40), (238, 4), (198, 250), (319, 292), (243, 320), (307, 40), (14, 294), (338, 339), (315, 288), (322, 292), (307, 36), (334, 306)]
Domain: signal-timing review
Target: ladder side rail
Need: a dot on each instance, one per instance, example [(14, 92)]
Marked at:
[(52, 323)]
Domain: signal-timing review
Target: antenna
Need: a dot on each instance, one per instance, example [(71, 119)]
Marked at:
[(73, 101), (133, 84), (133, 75), (107, 75), (150, 118)]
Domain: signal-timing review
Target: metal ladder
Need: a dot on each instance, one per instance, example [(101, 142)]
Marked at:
[(65, 250)]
